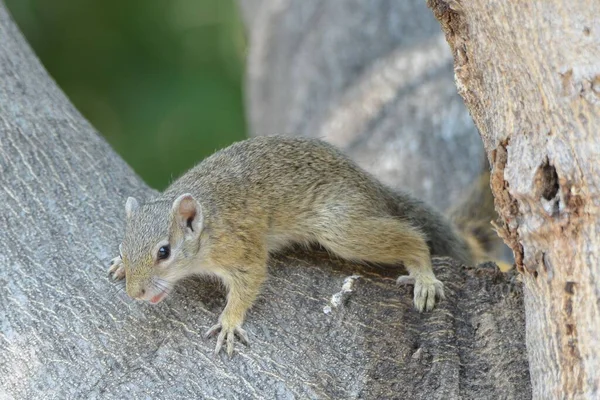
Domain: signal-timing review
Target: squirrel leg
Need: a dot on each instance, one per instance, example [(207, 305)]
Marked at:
[(243, 287), (386, 240)]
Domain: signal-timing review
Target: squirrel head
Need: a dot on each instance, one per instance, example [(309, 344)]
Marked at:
[(161, 240)]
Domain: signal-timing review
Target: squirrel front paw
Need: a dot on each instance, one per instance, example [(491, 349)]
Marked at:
[(227, 332), (426, 288), (117, 269)]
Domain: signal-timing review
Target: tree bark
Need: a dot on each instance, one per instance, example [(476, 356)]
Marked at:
[(530, 74), (67, 331)]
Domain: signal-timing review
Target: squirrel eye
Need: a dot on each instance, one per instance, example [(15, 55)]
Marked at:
[(164, 252)]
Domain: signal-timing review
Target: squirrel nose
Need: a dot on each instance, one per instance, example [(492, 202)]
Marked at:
[(137, 294)]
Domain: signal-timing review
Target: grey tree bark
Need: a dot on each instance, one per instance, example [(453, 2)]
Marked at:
[(530, 74), (66, 331)]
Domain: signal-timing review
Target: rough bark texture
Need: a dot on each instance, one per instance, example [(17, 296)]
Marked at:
[(530, 74), (66, 331), (373, 77)]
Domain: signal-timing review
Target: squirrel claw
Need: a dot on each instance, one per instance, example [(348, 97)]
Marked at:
[(213, 329), (117, 269), (243, 336), (425, 291), (227, 336)]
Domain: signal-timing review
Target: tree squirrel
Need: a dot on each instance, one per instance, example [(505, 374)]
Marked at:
[(225, 216)]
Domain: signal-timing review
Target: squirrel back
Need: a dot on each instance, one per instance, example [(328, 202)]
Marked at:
[(276, 175)]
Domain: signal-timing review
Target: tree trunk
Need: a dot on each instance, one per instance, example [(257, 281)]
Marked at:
[(66, 331), (530, 74), (374, 78)]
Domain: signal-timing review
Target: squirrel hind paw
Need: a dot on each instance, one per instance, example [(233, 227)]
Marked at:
[(426, 289), (117, 269)]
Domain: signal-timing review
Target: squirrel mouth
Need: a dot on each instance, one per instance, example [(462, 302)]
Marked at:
[(158, 297)]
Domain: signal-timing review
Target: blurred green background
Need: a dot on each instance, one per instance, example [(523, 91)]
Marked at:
[(161, 80)]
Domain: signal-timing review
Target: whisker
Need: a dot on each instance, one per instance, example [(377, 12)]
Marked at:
[(116, 292), (160, 285), (160, 288), (116, 289)]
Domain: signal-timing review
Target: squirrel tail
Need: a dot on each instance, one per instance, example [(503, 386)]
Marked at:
[(473, 217)]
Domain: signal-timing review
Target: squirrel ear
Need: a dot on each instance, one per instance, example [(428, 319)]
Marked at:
[(187, 213), (130, 206)]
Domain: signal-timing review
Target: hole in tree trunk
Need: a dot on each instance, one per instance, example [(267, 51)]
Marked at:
[(547, 180)]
